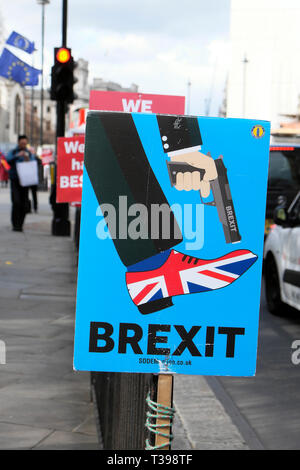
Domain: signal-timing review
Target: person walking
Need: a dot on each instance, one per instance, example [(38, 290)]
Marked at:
[(19, 194)]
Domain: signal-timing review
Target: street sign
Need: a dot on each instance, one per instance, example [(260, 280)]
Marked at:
[(171, 241), (136, 102), (70, 151)]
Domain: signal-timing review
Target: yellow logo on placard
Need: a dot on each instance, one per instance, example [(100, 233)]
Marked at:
[(258, 131)]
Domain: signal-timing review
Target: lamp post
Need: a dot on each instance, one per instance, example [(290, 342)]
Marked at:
[(43, 3)]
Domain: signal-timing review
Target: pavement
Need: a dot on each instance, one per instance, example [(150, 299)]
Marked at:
[(44, 403)]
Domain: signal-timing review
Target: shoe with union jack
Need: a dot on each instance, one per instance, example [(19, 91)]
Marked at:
[(177, 274)]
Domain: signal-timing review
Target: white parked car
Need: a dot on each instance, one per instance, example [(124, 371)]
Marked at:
[(282, 259)]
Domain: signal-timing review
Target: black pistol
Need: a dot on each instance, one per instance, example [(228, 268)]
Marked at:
[(221, 194)]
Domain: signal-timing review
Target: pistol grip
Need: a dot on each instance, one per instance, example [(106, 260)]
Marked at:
[(181, 167)]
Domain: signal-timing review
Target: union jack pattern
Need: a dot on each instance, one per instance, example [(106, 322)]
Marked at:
[(183, 274)]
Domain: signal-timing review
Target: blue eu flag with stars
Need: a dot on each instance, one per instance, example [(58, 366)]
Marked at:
[(13, 68), (17, 40)]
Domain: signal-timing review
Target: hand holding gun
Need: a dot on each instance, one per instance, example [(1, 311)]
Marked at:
[(197, 171)]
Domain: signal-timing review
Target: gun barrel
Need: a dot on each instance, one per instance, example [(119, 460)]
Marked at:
[(224, 203)]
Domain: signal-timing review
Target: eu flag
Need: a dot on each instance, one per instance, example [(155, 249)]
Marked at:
[(13, 68), (17, 40)]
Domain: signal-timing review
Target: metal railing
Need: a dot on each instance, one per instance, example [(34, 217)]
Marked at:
[(120, 402)]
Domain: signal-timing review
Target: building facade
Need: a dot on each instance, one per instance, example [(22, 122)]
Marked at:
[(264, 74), (12, 113), (21, 107), (33, 112), (82, 90)]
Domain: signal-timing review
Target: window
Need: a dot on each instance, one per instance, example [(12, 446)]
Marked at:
[(17, 115), (294, 212), (284, 169)]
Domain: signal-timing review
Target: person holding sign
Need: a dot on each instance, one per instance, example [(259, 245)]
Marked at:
[(19, 194)]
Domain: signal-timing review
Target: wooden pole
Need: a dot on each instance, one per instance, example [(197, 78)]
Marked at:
[(164, 398)]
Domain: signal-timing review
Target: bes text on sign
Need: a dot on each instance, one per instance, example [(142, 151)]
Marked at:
[(70, 153)]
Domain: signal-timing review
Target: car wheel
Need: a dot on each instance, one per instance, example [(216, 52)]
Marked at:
[(272, 285)]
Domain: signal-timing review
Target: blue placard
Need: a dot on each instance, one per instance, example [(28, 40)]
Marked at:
[(171, 244)]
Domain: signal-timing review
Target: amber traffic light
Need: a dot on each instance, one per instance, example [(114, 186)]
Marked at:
[(62, 75), (63, 55)]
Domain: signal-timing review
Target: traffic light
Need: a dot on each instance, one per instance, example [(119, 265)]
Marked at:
[(62, 75)]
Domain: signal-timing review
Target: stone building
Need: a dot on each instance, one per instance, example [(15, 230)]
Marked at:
[(12, 113), (12, 106), (82, 90), (32, 123), (20, 108)]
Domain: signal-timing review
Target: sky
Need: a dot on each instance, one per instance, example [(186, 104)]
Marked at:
[(160, 45)]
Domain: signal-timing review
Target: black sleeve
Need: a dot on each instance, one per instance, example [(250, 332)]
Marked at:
[(178, 132), (117, 166)]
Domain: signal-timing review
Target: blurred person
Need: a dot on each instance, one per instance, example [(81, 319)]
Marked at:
[(19, 194)]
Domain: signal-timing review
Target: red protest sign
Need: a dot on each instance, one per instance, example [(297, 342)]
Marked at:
[(70, 153), (47, 156), (70, 150), (136, 102)]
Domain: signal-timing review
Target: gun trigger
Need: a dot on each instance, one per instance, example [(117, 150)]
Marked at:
[(209, 203), (212, 203)]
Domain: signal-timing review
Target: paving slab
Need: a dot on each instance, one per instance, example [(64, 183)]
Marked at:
[(61, 440), (44, 403), (20, 436)]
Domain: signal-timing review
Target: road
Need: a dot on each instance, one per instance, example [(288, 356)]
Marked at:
[(266, 408)]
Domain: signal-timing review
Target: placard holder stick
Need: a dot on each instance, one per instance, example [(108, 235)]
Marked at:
[(165, 399), (160, 412)]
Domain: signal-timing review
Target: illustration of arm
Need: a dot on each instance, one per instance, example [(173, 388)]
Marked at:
[(190, 169), (181, 141), (119, 169)]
